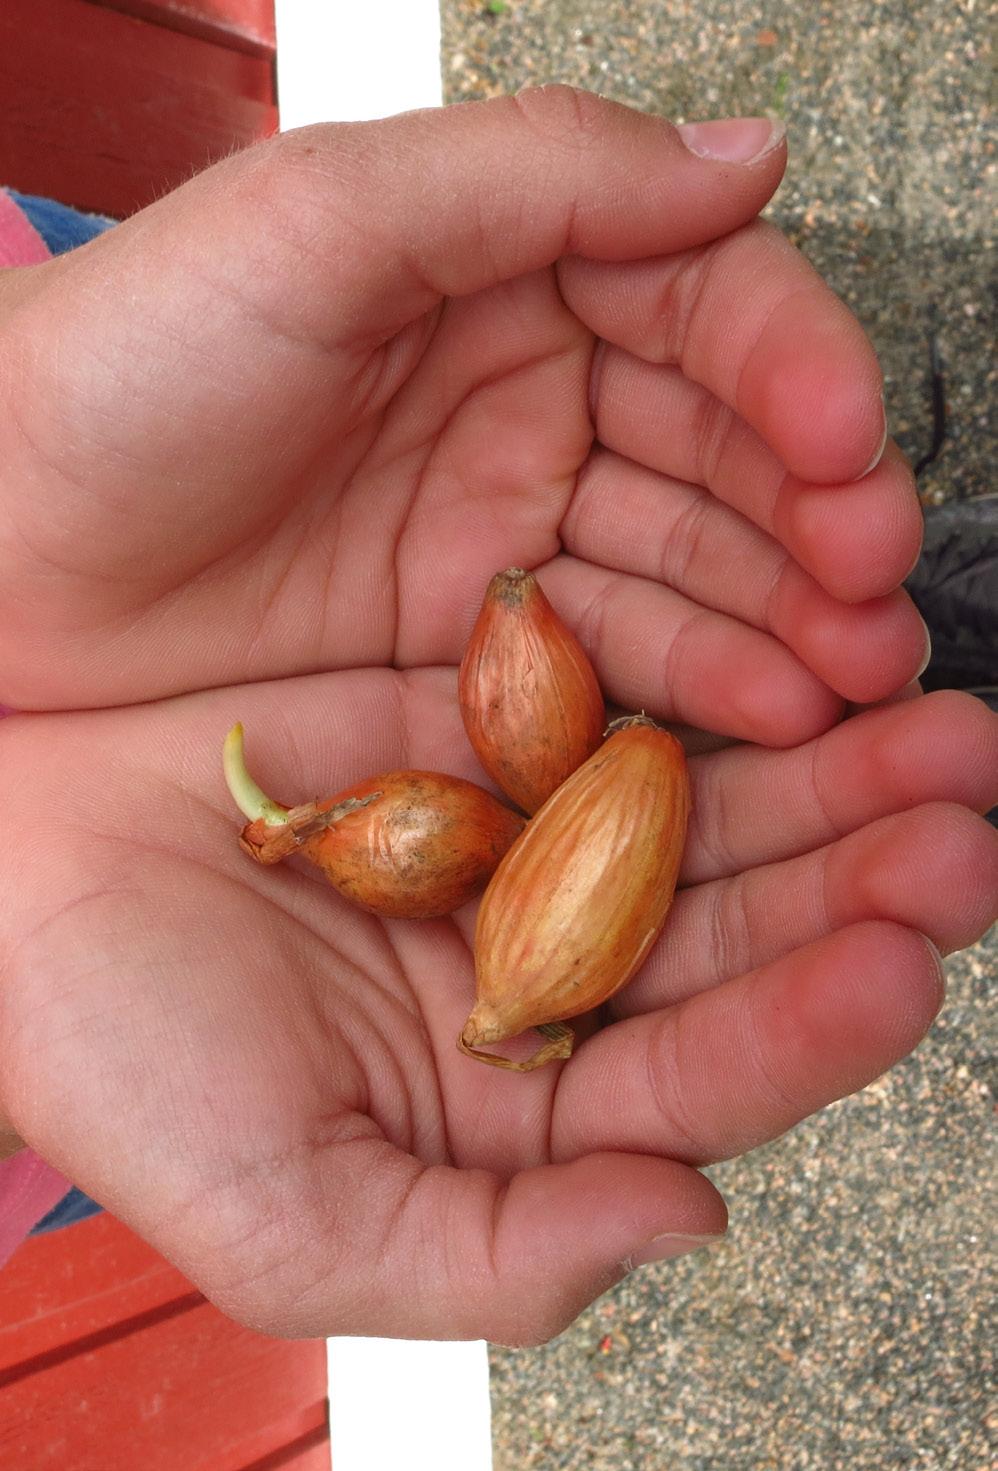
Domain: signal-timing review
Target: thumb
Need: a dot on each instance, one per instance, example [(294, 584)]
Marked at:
[(388, 217), (455, 200), (242, 285), (435, 1252), (342, 233)]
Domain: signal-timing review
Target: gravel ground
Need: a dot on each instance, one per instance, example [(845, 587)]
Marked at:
[(842, 1326), (891, 154)]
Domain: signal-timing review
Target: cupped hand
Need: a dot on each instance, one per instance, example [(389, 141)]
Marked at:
[(265, 1082), (262, 447), (294, 416)]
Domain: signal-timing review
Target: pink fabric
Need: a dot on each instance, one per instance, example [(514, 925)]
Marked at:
[(29, 1188), (20, 242)]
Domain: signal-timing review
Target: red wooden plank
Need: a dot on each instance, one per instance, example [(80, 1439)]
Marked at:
[(50, 1298), (247, 25), (178, 1388), (309, 1453), (194, 1392), (107, 113)]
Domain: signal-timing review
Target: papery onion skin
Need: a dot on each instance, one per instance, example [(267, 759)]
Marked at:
[(410, 844), (581, 897), (529, 696)]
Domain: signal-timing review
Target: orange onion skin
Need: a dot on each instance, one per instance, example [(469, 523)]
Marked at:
[(529, 697), (580, 898), (417, 845)]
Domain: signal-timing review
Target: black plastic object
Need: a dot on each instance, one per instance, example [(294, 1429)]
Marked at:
[(955, 588)]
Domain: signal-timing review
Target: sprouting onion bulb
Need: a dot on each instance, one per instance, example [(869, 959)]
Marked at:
[(405, 844)]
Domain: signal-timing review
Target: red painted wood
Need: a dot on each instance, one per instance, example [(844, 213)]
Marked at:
[(107, 113), (248, 25), (48, 1299), (90, 1384), (310, 1453)]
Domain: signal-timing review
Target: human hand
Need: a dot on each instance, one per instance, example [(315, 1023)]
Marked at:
[(295, 415), (264, 1081), (322, 473)]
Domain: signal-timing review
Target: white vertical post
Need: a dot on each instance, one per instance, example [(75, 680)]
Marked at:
[(353, 60), (393, 1404), (397, 1406)]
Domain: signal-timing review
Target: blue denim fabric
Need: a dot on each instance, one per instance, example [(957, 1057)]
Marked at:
[(59, 226), (62, 229), (71, 1208)]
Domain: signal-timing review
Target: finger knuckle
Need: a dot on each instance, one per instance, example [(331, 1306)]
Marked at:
[(562, 114)]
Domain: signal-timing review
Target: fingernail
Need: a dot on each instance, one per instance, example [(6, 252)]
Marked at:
[(927, 655), (733, 139), (668, 1245), (883, 443), (940, 965), (937, 956)]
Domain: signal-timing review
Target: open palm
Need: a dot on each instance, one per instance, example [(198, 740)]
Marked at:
[(263, 472)]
